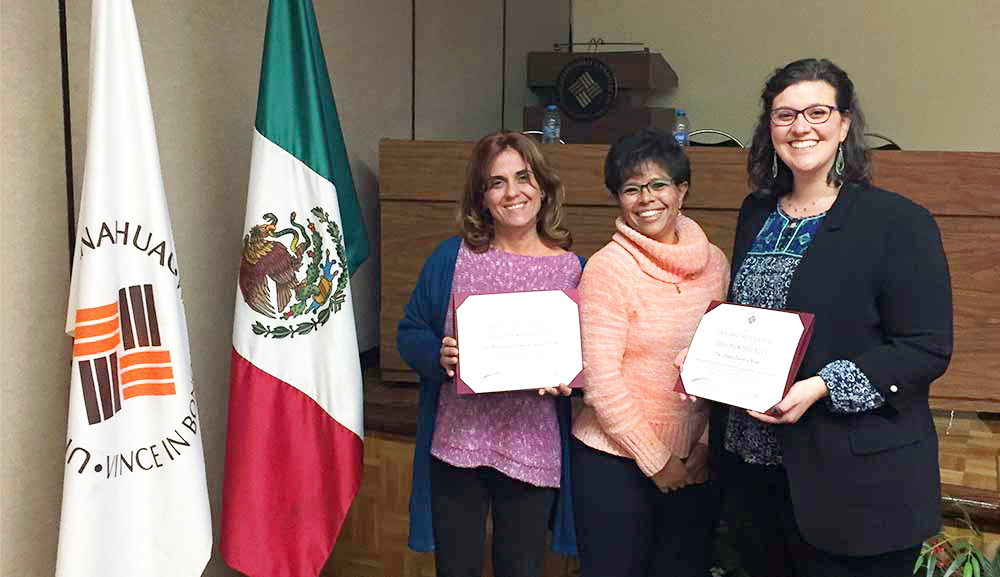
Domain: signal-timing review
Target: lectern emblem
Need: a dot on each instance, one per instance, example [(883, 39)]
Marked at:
[(586, 88)]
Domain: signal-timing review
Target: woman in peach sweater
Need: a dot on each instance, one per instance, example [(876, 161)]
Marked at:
[(640, 459)]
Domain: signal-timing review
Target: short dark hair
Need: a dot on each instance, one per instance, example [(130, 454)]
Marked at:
[(647, 145), (857, 165), (475, 222)]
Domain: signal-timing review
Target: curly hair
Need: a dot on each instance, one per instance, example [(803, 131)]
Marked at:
[(475, 222), (857, 164)]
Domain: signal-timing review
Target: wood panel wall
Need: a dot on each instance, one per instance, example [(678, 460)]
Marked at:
[(421, 182)]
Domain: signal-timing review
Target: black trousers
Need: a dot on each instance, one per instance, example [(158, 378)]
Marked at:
[(626, 527), (460, 500), (757, 509)]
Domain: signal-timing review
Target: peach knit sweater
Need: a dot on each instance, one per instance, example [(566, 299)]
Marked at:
[(641, 301)]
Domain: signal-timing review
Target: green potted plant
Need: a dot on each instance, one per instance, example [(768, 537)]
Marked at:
[(945, 555)]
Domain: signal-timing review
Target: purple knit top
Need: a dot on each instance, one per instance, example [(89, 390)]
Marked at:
[(516, 433)]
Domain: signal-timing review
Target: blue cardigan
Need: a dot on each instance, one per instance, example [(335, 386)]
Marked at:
[(419, 342)]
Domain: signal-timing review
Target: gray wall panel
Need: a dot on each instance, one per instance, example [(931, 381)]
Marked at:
[(458, 68), (34, 353), (532, 26)]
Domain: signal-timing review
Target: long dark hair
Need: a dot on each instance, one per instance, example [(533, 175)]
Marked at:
[(857, 165), (475, 222)]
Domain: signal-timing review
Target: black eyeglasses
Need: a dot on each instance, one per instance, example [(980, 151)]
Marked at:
[(816, 114), (657, 185)]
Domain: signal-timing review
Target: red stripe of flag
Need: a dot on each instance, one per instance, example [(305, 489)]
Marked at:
[(291, 474)]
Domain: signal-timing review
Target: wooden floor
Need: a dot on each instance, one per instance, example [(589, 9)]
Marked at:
[(373, 540)]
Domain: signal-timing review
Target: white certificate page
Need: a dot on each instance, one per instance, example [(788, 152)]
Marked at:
[(742, 356), (515, 341)]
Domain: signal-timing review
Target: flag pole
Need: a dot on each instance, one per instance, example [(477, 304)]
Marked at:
[(67, 134)]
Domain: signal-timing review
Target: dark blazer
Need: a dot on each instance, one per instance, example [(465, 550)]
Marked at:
[(877, 280)]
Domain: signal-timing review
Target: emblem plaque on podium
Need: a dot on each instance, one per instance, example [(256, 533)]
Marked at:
[(601, 95)]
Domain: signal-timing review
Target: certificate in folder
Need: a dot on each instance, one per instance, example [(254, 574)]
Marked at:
[(745, 356), (517, 341)]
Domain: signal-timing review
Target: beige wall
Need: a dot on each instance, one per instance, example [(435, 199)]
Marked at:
[(34, 283), (926, 70), (457, 91), (202, 63), (470, 63), (532, 26)]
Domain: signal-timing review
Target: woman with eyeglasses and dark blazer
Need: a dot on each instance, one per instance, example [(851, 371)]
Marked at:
[(841, 478)]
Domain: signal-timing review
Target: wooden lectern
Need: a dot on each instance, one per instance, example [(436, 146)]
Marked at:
[(636, 76)]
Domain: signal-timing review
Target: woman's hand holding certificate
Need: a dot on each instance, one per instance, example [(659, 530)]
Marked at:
[(747, 357), (800, 397), (449, 360), (449, 355)]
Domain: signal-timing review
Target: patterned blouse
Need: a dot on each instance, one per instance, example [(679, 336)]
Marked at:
[(516, 433), (763, 280)]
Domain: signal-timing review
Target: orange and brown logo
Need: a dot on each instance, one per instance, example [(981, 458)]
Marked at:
[(118, 352)]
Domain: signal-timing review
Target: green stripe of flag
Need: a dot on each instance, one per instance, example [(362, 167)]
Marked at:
[(296, 111)]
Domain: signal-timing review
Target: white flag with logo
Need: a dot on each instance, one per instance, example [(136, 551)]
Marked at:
[(135, 501)]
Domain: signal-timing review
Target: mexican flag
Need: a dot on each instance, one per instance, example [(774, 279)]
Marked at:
[(294, 444), (135, 501)]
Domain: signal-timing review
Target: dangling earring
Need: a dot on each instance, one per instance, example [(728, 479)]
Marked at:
[(838, 165), (774, 166)]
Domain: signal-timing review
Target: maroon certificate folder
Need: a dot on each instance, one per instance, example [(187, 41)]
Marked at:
[(741, 353), (516, 341)]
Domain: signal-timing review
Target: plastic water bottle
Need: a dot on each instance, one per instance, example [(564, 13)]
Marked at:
[(550, 125), (682, 126)]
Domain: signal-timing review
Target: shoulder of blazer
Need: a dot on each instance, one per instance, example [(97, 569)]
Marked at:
[(755, 209), (752, 214), (754, 203), (869, 206)]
